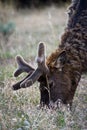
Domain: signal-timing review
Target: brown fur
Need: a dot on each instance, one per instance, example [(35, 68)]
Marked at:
[(68, 78), (74, 42)]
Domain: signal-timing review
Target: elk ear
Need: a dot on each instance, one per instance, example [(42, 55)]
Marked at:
[(61, 59)]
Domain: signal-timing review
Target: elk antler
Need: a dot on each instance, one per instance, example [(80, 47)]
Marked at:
[(22, 66), (42, 68), (17, 85)]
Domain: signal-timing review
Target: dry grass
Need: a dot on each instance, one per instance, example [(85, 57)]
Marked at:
[(19, 110)]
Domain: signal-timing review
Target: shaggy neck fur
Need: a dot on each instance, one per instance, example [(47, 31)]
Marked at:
[(74, 42)]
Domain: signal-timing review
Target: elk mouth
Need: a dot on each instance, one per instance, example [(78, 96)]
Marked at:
[(59, 105)]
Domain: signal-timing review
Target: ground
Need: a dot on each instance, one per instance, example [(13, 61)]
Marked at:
[(19, 109)]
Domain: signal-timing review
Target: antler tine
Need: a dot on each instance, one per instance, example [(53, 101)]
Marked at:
[(41, 53), (31, 79), (17, 85), (41, 69), (23, 66), (41, 59)]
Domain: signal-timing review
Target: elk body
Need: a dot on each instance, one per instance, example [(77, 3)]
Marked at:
[(60, 73)]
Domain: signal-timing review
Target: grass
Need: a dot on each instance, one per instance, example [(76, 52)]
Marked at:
[(19, 109)]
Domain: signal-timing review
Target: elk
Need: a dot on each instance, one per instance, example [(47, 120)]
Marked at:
[(60, 73)]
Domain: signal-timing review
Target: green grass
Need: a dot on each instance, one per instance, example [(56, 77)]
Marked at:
[(60, 120)]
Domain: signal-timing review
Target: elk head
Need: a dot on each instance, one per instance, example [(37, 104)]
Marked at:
[(54, 83)]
